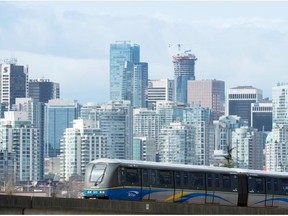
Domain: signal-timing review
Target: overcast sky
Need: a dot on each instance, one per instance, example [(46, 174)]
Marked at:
[(241, 43)]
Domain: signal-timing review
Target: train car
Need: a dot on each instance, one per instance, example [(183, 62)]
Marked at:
[(267, 189), (138, 180)]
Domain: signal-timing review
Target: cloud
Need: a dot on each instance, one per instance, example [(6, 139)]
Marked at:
[(83, 79), (69, 42)]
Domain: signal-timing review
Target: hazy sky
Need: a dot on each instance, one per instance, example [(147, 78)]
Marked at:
[(241, 43)]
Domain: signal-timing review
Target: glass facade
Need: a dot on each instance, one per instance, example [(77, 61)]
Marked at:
[(140, 85), (42, 90), (122, 57), (59, 115), (183, 71)]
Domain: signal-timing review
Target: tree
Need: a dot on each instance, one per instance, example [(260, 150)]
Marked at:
[(228, 157), (9, 187)]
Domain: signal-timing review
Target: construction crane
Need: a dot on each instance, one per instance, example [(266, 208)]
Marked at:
[(178, 45)]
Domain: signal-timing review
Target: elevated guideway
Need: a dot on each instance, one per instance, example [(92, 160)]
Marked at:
[(15, 205)]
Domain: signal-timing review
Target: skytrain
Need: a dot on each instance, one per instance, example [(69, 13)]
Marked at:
[(154, 181)]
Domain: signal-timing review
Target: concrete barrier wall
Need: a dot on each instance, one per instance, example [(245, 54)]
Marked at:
[(45, 205)]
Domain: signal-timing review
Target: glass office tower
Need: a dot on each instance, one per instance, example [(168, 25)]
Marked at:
[(59, 115), (123, 56)]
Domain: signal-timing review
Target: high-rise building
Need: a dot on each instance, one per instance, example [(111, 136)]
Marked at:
[(123, 56), (34, 111), (59, 115), (7, 166), (223, 129), (80, 145), (184, 70), (115, 119), (169, 111), (43, 90), (14, 83), (280, 104), (276, 149), (261, 115), (19, 136), (144, 149), (140, 85), (240, 99), (208, 93), (247, 148), (200, 119), (146, 123), (176, 144), (160, 90)]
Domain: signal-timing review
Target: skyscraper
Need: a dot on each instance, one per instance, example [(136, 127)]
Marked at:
[(14, 82), (42, 90), (123, 56), (276, 149), (140, 85), (144, 149), (146, 123), (247, 145), (59, 115), (240, 99), (115, 119), (80, 145), (159, 90), (261, 115), (208, 93), (35, 113), (200, 119), (280, 104), (177, 143), (18, 135), (183, 71)]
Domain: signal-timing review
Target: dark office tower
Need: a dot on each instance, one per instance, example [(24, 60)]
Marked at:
[(261, 115), (13, 82), (140, 85), (183, 71), (123, 56), (42, 90), (240, 99)]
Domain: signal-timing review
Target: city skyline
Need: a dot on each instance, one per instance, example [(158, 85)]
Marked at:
[(241, 43)]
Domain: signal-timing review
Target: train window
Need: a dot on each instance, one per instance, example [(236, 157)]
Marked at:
[(132, 176), (209, 181), (177, 179), (226, 182), (256, 184), (153, 177), (259, 185), (283, 186), (185, 180), (197, 181), (217, 181), (269, 185), (275, 186), (165, 178), (97, 173), (145, 177)]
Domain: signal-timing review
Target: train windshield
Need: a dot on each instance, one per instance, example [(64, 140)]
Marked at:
[(97, 173)]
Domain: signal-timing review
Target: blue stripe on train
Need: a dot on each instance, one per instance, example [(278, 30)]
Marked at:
[(282, 199), (135, 193)]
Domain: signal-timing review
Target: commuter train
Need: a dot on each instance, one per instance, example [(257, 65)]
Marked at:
[(154, 181)]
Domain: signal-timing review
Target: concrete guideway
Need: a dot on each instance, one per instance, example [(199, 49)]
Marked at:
[(48, 205)]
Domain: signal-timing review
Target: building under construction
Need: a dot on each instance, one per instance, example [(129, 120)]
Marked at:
[(184, 70)]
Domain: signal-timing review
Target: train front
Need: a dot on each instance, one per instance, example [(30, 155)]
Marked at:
[(96, 184)]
